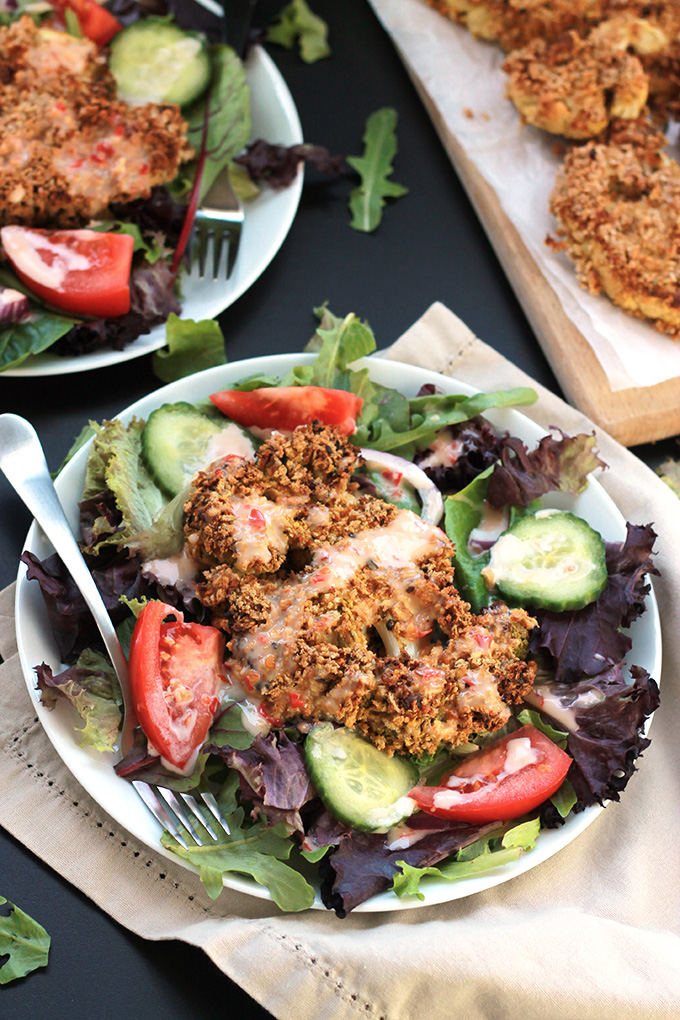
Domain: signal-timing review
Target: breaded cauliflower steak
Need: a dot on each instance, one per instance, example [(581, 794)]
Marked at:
[(618, 207), (68, 146), (574, 87), (343, 607)]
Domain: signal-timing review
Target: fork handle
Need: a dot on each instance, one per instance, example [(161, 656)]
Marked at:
[(27, 472)]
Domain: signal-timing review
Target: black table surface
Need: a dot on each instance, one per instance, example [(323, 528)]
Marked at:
[(429, 247)]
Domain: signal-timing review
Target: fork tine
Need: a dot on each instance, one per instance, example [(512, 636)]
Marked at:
[(218, 237), (232, 252), (185, 817), (212, 805), (158, 810), (202, 231), (204, 815)]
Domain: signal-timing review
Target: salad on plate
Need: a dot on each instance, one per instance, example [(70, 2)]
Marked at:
[(104, 157), (389, 635)]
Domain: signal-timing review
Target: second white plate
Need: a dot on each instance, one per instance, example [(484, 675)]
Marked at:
[(267, 221)]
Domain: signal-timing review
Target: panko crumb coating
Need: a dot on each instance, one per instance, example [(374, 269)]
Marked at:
[(68, 146), (341, 607), (573, 86), (618, 207)]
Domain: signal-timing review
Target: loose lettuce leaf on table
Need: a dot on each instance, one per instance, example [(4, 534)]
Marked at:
[(669, 472), (375, 166), (297, 23), (23, 941)]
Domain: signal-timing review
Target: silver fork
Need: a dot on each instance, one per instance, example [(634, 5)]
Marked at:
[(219, 220), (22, 461)]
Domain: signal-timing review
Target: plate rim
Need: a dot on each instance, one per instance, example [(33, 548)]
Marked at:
[(436, 890), (45, 364)]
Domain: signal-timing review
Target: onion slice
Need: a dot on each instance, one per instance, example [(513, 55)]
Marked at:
[(13, 306), (428, 493)]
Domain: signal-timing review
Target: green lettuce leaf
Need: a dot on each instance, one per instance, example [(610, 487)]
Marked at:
[(227, 115), (462, 514), (258, 850), (21, 339), (26, 942), (192, 346), (297, 23), (669, 472), (115, 463), (481, 856), (529, 716), (229, 730), (91, 686), (375, 166)]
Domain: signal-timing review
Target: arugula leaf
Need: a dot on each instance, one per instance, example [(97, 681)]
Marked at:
[(564, 799), (192, 346), (374, 167), (297, 23), (258, 850), (24, 941), (223, 114)]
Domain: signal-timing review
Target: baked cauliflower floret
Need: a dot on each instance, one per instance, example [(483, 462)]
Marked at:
[(574, 87), (342, 607), (618, 208), (296, 494), (68, 147)]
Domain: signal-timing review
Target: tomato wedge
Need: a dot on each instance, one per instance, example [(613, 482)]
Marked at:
[(96, 23), (176, 672), (81, 271), (504, 780), (286, 407)]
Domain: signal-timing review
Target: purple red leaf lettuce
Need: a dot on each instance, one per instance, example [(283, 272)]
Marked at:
[(590, 640), (91, 686), (273, 777), (607, 736), (467, 449), (277, 165), (557, 464), (71, 620), (363, 865)]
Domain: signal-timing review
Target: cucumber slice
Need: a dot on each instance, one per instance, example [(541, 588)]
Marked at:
[(154, 61), (359, 784), (550, 560), (176, 443)]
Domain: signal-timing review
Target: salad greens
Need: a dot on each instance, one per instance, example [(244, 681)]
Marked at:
[(375, 166), (581, 699), (192, 346), (669, 472), (24, 944), (297, 23)]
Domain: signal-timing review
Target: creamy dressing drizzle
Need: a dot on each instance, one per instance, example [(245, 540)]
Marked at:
[(259, 529), (397, 546)]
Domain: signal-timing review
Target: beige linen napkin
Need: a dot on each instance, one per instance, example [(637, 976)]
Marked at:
[(590, 933)]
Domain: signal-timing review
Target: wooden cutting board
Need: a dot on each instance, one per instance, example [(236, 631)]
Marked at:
[(631, 416)]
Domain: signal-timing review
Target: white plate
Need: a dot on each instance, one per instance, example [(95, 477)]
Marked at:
[(118, 798), (267, 221)]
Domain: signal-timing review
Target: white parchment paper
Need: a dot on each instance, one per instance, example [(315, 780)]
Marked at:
[(463, 77)]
